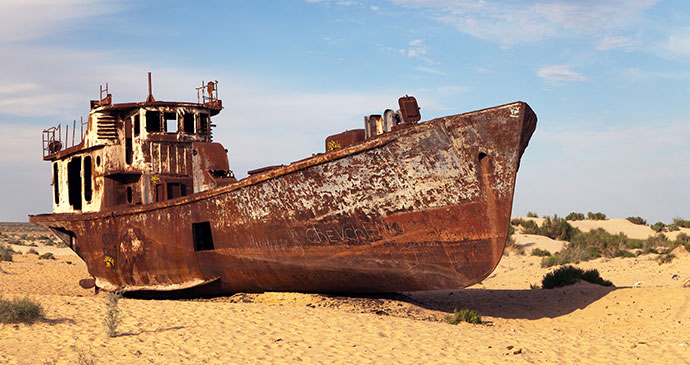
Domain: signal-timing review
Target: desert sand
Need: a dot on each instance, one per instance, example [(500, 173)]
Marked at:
[(644, 318)]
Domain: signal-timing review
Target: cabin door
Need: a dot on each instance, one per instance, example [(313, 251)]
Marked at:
[(74, 182)]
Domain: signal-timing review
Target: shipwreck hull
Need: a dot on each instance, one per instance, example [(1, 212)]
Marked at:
[(420, 208)]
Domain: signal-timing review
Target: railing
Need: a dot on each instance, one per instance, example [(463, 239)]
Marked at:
[(54, 141), (207, 92)]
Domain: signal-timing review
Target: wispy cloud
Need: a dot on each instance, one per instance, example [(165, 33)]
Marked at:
[(609, 43), (516, 22), (558, 74), (32, 19), (678, 43)]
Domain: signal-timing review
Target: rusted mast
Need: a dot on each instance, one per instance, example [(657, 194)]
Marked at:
[(150, 98)]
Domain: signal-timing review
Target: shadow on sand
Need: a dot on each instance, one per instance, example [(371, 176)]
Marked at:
[(511, 303)]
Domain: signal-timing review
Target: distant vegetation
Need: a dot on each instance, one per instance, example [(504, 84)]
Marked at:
[(674, 226), (539, 252), (532, 215), (596, 216), (637, 220), (568, 275), (575, 217), (18, 310), (464, 315), (555, 228), (47, 256)]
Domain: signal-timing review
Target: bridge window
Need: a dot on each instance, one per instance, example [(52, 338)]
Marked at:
[(87, 179), (203, 123), (56, 183), (188, 122), (170, 122), (153, 121), (137, 125)]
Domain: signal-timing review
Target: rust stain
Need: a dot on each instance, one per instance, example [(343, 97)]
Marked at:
[(146, 198)]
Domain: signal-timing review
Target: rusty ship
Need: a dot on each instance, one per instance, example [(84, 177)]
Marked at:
[(147, 200)]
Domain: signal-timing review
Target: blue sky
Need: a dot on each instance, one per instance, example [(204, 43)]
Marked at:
[(609, 81)]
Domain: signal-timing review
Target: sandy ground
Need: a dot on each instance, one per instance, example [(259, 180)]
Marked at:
[(644, 319)]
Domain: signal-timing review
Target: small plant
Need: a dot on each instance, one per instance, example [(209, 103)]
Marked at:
[(680, 222), (637, 220), (557, 228), (658, 227), (19, 310), (530, 227), (596, 216), (6, 253), (47, 256), (549, 261), (532, 215), (539, 252), (86, 357), (568, 275), (665, 258), (464, 315), (32, 251), (113, 315), (575, 216)]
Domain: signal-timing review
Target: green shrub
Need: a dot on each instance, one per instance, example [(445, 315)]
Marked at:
[(113, 315), (637, 220), (516, 221), (464, 315), (18, 310), (6, 253), (532, 215), (624, 254), (530, 227), (550, 261), (596, 216), (650, 244), (680, 222), (47, 256), (539, 252), (557, 228), (665, 258), (575, 216), (658, 227), (568, 275)]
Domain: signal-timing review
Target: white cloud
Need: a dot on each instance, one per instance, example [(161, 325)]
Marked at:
[(609, 43), (374, 8), (510, 23), (32, 19), (679, 43), (558, 74), (419, 50)]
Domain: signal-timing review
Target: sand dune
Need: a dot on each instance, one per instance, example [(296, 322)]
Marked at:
[(583, 323)]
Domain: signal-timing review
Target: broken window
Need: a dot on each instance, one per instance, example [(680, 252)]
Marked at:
[(203, 123), (137, 125), (174, 190), (74, 182), (56, 184), (159, 193), (153, 121), (188, 122), (170, 122), (128, 141), (87, 179), (203, 240)]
